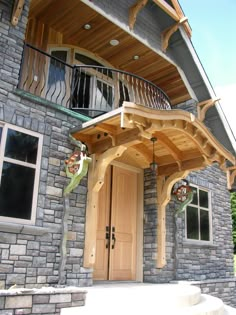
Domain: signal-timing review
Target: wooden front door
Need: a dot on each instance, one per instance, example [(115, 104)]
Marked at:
[(117, 225)]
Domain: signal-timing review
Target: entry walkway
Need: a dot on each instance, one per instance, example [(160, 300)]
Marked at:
[(122, 298)]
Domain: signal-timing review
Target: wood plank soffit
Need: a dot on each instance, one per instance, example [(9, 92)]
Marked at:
[(203, 107), (167, 33), (16, 12)]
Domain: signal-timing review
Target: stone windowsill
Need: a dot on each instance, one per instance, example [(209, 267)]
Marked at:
[(23, 228), (198, 244), (43, 290)]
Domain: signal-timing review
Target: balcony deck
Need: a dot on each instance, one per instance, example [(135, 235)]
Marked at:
[(88, 89)]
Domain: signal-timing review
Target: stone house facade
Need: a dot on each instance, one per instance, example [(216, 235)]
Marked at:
[(197, 242)]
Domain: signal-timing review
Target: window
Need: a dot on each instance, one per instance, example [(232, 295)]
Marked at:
[(20, 155), (93, 90), (197, 216)]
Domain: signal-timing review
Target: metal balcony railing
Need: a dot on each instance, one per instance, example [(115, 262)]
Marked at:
[(90, 90)]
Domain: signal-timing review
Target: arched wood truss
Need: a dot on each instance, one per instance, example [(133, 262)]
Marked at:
[(183, 144)]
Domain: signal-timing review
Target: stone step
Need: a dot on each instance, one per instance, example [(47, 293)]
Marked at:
[(133, 298), (229, 310)]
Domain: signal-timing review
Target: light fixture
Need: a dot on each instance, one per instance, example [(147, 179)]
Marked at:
[(87, 26), (136, 57), (114, 42), (153, 164)]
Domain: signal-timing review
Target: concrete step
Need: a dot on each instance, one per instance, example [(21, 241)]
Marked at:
[(229, 310), (133, 298)]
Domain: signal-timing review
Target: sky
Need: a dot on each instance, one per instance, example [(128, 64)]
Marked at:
[(213, 24)]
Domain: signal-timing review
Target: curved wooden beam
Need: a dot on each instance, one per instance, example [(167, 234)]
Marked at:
[(134, 10), (231, 175), (173, 150), (204, 106), (180, 120), (166, 34)]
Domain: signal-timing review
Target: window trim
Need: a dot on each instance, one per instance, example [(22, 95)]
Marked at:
[(209, 209), (35, 166)]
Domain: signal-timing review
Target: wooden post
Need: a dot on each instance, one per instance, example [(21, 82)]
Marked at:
[(96, 177), (17, 9)]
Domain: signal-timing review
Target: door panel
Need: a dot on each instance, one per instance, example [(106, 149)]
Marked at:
[(123, 219), (116, 257)]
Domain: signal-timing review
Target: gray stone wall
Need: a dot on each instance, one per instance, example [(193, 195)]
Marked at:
[(30, 254), (40, 301), (186, 260)]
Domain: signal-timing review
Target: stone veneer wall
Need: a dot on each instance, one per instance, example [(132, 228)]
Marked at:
[(188, 260), (41, 301), (30, 255)]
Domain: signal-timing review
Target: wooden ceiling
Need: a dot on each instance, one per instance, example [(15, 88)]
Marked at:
[(68, 18)]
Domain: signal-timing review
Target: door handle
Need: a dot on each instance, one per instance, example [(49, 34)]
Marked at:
[(107, 236), (113, 238)]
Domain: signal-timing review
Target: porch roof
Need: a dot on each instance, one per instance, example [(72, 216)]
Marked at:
[(183, 141)]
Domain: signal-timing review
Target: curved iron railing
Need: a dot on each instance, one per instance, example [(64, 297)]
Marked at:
[(88, 89)]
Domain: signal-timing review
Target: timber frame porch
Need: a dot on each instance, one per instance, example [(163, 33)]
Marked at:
[(184, 144)]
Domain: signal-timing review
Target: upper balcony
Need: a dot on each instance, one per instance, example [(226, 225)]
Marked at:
[(88, 89)]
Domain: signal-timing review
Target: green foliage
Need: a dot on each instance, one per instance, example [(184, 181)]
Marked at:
[(233, 208)]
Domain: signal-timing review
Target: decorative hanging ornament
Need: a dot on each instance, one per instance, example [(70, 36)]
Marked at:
[(184, 195)]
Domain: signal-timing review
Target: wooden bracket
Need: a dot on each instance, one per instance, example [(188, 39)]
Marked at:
[(17, 9), (134, 10), (231, 174), (166, 34), (164, 186), (204, 106)]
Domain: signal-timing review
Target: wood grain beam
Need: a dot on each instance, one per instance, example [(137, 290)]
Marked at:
[(16, 12), (193, 164), (231, 175), (169, 145), (134, 10), (180, 13), (167, 8), (204, 106), (124, 138), (166, 34)]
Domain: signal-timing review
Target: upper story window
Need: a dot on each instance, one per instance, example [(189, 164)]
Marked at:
[(20, 156), (198, 216)]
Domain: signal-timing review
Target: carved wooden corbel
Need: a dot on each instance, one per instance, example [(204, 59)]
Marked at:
[(204, 106), (17, 9), (134, 10), (231, 174), (166, 34)]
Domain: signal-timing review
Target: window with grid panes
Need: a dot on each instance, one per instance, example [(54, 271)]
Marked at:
[(197, 214)]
